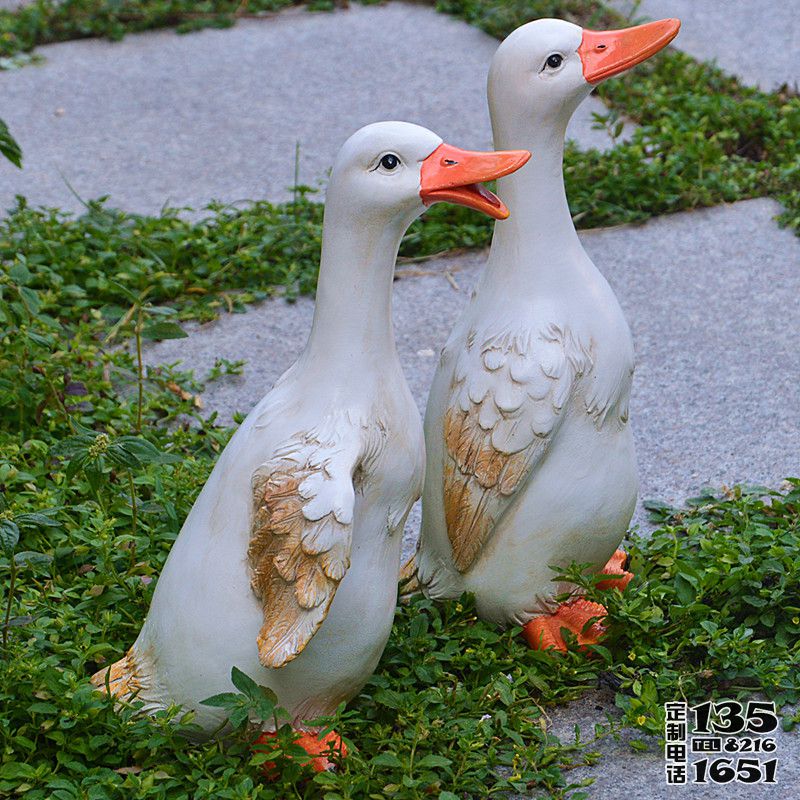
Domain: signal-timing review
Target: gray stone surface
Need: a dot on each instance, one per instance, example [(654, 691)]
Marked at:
[(160, 118), (757, 42), (711, 297), (623, 771)]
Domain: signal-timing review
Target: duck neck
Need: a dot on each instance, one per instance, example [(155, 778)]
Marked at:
[(538, 243), (353, 314)]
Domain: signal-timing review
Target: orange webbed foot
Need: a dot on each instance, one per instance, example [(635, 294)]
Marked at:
[(544, 632), (320, 750), (616, 568)]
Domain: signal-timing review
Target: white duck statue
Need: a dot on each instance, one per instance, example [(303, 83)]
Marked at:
[(530, 456), (287, 564)]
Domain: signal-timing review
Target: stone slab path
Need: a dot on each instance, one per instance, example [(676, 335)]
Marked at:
[(757, 42), (711, 297), (162, 118)]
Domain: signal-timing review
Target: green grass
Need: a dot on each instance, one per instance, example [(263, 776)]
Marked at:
[(99, 466), (48, 21)]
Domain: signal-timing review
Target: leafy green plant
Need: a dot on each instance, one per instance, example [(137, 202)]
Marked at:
[(248, 710), (9, 147), (97, 454), (148, 322), (44, 21), (612, 123), (224, 367), (218, 263), (27, 379), (252, 702), (714, 607), (10, 525)]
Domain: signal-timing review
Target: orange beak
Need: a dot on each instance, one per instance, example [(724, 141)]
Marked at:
[(607, 53), (455, 176)]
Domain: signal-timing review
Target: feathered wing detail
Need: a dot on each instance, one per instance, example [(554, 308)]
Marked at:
[(300, 538), (507, 400)]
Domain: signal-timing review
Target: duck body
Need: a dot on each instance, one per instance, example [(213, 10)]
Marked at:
[(530, 454), (575, 499), (205, 617), (287, 564)]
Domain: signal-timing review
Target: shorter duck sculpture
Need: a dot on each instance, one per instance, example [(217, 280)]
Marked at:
[(287, 564)]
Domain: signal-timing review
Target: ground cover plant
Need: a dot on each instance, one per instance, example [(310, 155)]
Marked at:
[(100, 460)]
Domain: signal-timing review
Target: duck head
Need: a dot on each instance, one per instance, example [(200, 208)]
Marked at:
[(387, 174), (544, 69)]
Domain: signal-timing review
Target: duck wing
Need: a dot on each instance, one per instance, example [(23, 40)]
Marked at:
[(506, 404), (300, 539)]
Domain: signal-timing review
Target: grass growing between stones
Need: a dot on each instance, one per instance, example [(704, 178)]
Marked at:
[(98, 469)]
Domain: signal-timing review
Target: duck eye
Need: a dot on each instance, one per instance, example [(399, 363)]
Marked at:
[(554, 61), (390, 161)]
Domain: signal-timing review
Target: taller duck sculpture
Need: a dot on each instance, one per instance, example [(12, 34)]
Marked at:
[(286, 566), (530, 456)]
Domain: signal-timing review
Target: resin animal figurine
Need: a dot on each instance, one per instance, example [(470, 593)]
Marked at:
[(530, 456), (287, 564)]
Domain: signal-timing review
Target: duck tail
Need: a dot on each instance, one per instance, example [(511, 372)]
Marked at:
[(122, 680), (409, 580)]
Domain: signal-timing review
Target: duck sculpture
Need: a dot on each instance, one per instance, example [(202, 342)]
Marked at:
[(530, 456), (287, 564)]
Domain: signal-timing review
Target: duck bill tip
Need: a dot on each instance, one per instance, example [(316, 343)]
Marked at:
[(605, 54), (452, 175)]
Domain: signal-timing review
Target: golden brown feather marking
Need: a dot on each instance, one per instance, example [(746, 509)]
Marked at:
[(296, 563), (468, 521), (506, 399)]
